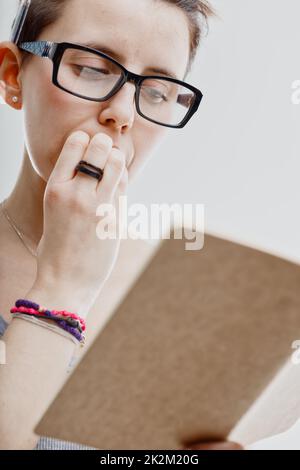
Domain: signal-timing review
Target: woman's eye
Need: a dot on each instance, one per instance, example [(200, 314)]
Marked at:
[(91, 70), (155, 94)]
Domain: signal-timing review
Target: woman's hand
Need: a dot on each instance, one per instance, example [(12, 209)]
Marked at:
[(71, 256), (213, 445)]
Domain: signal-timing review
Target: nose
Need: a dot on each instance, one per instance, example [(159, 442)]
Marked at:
[(119, 111)]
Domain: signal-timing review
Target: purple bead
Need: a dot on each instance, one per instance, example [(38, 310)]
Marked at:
[(69, 329), (48, 314), (27, 304)]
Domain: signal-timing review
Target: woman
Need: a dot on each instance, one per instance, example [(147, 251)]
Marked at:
[(52, 208)]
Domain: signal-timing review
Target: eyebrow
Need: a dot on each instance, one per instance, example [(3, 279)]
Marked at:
[(120, 58)]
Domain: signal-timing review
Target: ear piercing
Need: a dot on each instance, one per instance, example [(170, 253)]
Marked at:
[(15, 99)]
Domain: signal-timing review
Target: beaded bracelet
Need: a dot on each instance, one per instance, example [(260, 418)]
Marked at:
[(50, 315), (70, 322), (32, 305)]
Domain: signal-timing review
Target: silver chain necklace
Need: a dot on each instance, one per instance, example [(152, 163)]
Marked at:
[(16, 229)]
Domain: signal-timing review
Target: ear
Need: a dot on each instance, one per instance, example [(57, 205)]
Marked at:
[(10, 66)]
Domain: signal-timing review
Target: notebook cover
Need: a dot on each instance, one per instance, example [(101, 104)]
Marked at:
[(194, 343)]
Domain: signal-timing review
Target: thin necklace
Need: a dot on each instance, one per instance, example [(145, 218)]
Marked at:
[(16, 229)]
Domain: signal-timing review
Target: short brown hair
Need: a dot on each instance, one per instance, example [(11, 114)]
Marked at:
[(43, 13)]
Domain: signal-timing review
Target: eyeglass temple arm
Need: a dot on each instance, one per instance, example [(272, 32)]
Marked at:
[(19, 20), (40, 48)]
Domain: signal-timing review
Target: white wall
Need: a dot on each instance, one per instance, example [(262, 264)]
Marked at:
[(239, 156)]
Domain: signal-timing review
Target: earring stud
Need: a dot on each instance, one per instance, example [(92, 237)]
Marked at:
[(15, 99)]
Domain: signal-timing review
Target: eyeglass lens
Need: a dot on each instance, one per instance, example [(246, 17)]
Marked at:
[(92, 76)]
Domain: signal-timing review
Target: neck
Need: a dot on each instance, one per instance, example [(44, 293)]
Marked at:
[(25, 203)]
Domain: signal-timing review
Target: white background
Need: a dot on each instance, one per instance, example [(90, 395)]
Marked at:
[(240, 154)]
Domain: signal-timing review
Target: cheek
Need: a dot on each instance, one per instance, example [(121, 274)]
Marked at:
[(49, 116)]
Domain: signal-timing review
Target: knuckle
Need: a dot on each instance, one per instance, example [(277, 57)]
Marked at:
[(77, 203), (53, 196), (77, 140), (101, 143)]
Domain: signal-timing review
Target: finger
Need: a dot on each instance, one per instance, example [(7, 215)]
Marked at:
[(96, 154), (121, 190), (122, 187), (72, 152), (113, 171)]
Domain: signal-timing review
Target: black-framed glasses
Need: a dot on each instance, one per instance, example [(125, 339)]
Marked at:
[(92, 75)]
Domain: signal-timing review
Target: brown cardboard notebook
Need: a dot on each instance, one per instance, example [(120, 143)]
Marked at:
[(193, 348)]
